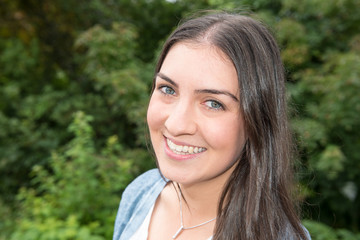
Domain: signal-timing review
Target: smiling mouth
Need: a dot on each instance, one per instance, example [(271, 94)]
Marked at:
[(183, 149)]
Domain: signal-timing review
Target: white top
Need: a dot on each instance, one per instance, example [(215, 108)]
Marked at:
[(142, 232)]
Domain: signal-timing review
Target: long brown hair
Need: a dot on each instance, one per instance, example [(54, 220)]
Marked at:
[(256, 202)]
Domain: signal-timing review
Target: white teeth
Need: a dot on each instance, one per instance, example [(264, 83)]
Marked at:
[(196, 150), (191, 150), (179, 149)]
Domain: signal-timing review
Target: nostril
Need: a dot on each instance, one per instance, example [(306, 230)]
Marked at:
[(178, 124)]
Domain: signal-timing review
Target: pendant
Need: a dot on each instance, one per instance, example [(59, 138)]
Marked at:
[(178, 232)]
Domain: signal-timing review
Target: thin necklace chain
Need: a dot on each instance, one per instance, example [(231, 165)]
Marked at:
[(182, 223)]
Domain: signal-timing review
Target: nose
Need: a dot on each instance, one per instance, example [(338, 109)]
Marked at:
[(181, 119)]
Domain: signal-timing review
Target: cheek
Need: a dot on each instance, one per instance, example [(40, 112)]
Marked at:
[(227, 134), (150, 116), (154, 114)]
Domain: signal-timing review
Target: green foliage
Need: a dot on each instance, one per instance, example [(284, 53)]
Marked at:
[(324, 87), (153, 20), (52, 229), (111, 86), (116, 74), (328, 128), (18, 136), (74, 198), (96, 57), (292, 36), (33, 117), (320, 231)]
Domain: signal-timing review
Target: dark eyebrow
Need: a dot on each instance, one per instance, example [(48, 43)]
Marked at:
[(218, 92), (210, 91), (166, 78)]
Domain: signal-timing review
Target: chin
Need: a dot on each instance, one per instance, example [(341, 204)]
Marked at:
[(175, 175)]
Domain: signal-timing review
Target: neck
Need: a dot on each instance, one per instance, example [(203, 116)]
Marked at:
[(201, 200), (203, 197)]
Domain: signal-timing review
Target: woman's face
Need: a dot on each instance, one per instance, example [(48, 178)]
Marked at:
[(194, 117)]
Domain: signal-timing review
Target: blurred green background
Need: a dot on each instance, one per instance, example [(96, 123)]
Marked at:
[(75, 80)]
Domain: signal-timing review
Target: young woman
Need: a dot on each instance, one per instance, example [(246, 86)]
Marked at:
[(218, 125)]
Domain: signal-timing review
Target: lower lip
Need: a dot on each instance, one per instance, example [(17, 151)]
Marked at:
[(179, 157)]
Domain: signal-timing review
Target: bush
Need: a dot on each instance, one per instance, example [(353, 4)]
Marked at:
[(320, 231), (77, 197)]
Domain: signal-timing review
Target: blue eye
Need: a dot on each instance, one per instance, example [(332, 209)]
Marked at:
[(167, 90), (215, 105)]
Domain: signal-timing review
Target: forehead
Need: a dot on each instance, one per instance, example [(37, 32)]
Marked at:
[(202, 64)]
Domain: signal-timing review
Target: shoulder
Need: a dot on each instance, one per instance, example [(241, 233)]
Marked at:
[(137, 199), (308, 236), (291, 233), (144, 186), (144, 181)]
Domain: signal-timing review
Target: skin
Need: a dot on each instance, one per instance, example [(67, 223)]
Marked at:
[(195, 104)]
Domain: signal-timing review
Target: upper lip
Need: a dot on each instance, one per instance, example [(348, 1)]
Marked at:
[(181, 143)]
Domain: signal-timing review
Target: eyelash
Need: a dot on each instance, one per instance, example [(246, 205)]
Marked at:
[(161, 89), (220, 108)]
